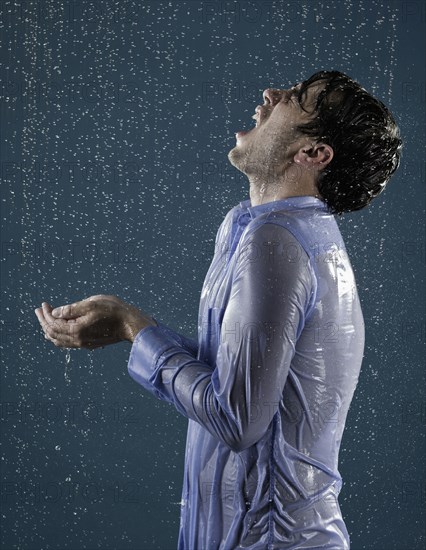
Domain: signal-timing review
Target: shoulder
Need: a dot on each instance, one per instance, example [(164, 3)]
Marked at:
[(225, 224), (230, 215), (314, 232), (267, 234), (268, 250)]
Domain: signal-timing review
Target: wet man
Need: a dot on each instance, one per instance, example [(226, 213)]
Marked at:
[(268, 384)]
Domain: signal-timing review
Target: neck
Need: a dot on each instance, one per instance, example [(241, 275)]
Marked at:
[(264, 189)]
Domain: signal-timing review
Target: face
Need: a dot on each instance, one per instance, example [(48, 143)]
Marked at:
[(274, 140)]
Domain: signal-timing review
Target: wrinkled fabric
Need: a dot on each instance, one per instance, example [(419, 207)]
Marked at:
[(268, 384)]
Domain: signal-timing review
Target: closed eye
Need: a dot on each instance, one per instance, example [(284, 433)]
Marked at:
[(295, 97)]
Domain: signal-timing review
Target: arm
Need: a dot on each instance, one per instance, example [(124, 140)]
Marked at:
[(236, 399), (188, 344)]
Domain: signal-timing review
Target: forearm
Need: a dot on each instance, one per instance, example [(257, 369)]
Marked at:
[(189, 344), (172, 374), (236, 409)]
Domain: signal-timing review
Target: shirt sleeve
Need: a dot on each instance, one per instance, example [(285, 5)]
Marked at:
[(236, 398), (189, 344)]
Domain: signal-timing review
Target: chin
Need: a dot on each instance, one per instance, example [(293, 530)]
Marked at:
[(236, 157)]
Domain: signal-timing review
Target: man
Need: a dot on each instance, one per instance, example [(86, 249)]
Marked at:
[(268, 385)]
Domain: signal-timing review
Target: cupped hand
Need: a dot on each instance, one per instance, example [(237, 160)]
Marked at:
[(92, 323)]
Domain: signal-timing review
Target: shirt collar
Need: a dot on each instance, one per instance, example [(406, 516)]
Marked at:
[(291, 203)]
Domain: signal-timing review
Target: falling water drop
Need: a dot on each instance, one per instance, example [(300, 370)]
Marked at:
[(67, 366)]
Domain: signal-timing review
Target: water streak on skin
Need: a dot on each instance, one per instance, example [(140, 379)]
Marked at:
[(262, 192)]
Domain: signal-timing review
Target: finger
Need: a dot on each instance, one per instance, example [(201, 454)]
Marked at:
[(59, 331), (70, 341), (40, 317), (48, 309), (71, 311), (65, 342), (46, 326), (71, 333), (47, 313), (62, 338), (66, 339), (57, 326)]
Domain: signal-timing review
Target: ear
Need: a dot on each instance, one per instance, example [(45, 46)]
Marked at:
[(314, 156)]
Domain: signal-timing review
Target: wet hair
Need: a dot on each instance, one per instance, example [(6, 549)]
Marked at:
[(363, 135)]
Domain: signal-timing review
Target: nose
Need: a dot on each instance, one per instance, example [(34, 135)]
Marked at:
[(272, 96)]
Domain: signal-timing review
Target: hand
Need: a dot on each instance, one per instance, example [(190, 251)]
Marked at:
[(92, 323)]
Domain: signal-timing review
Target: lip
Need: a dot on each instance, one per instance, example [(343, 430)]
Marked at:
[(242, 133)]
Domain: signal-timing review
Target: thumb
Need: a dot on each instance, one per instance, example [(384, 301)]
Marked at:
[(71, 311)]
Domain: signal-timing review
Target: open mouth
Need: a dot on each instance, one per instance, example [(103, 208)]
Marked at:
[(257, 117)]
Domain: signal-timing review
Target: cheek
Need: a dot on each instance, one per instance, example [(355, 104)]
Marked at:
[(283, 130), (285, 117)]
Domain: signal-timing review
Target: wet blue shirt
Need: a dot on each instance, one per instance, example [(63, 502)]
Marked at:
[(268, 384)]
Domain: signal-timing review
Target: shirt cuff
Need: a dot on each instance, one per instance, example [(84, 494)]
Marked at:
[(148, 346)]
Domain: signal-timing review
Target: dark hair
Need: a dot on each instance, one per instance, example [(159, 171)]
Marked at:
[(364, 137)]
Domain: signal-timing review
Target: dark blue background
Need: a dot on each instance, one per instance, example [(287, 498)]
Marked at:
[(116, 121)]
